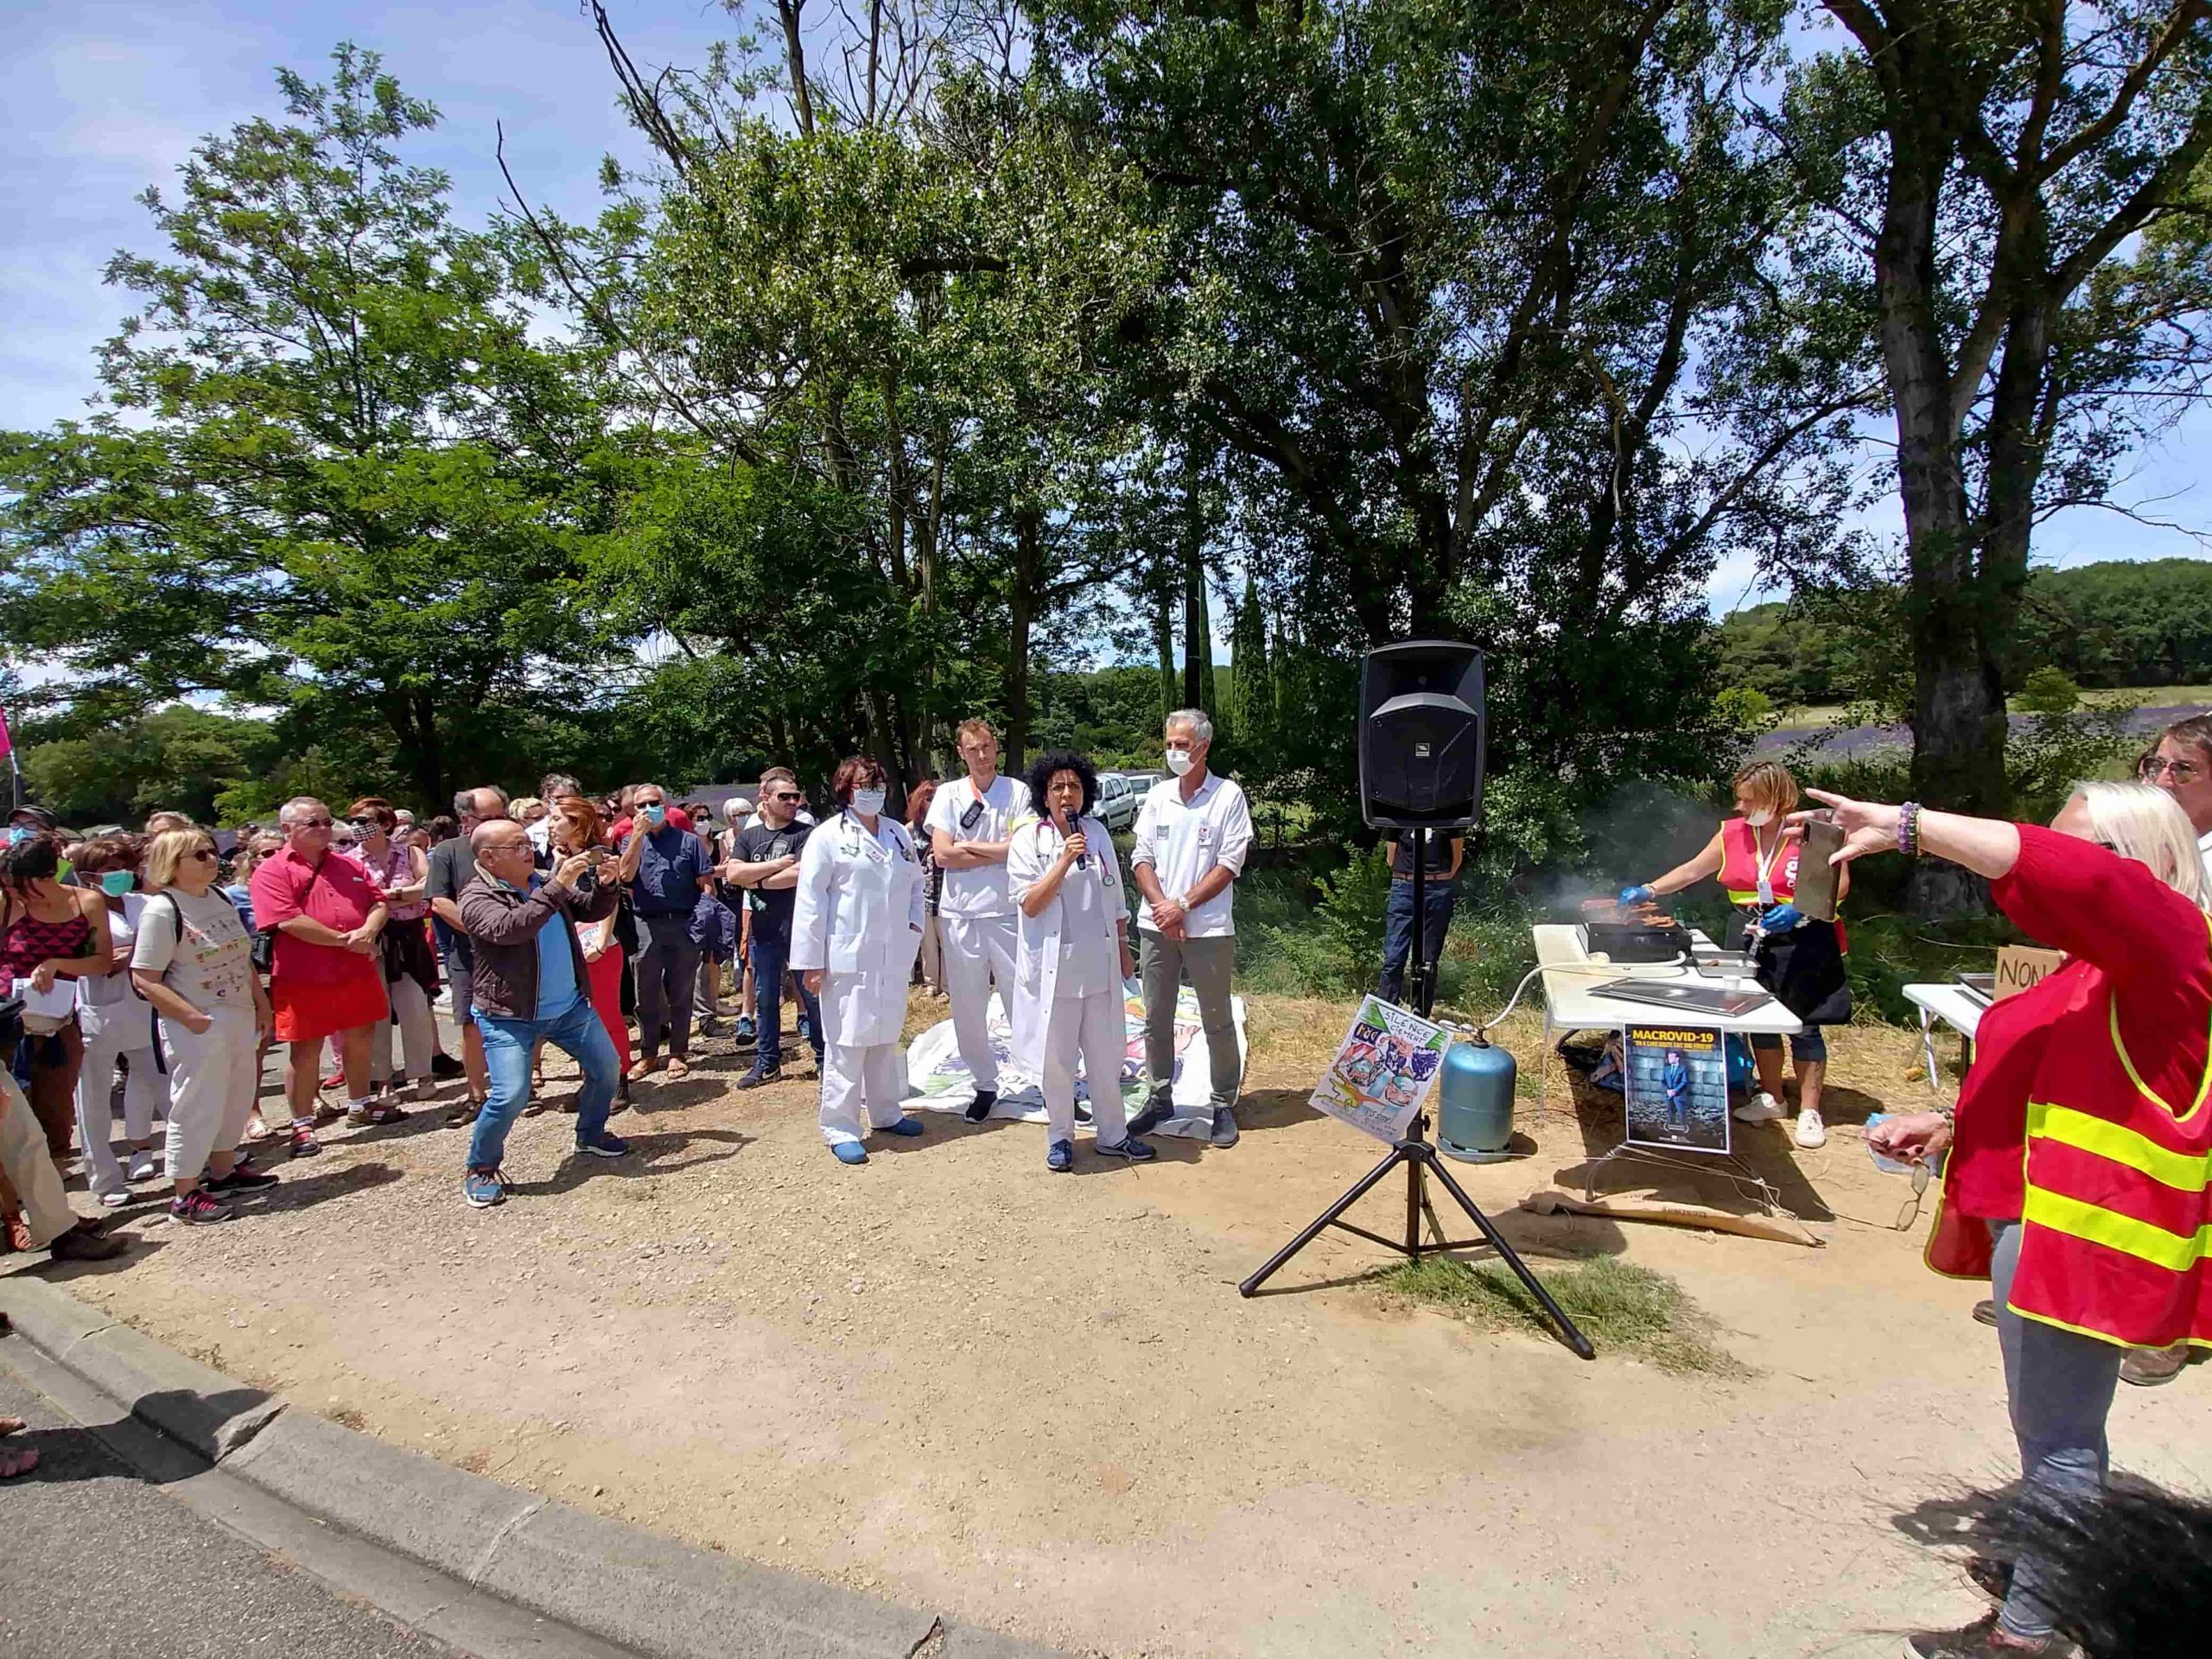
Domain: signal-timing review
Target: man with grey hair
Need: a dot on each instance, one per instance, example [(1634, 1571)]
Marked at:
[(1192, 835), (452, 867)]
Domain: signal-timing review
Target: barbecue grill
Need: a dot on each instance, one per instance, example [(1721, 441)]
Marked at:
[(1632, 932)]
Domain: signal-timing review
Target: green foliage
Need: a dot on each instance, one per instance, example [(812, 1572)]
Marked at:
[(1745, 710), (180, 758), (2146, 623), (2049, 691)]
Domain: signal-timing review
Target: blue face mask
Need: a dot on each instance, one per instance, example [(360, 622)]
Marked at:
[(656, 815), (116, 883), (16, 834)]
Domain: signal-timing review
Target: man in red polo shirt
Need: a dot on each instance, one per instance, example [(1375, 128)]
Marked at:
[(329, 973)]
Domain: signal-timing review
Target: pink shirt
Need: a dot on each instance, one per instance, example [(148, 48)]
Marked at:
[(336, 893)]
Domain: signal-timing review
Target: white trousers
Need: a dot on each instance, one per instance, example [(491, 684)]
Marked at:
[(1096, 1028), (977, 950), (859, 1082), (114, 1033), (410, 1009), (30, 1166), (215, 1079)]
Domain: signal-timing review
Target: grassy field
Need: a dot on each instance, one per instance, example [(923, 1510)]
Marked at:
[(1799, 717)]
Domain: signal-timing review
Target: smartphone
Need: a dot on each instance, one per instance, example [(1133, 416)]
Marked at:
[(1816, 877)]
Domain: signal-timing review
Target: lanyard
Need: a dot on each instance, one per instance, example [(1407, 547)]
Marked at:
[(1766, 869)]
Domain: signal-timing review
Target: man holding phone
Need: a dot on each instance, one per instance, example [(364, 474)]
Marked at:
[(971, 826)]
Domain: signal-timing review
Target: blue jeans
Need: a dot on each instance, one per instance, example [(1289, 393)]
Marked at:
[(577, 1032), (1398, 934), (769, 955)]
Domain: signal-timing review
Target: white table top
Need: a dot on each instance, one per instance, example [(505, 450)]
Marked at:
[(1570, 974), (1953, 1004)]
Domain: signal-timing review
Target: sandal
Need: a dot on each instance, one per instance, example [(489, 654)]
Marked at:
[(678, 1067), (13, 1463)]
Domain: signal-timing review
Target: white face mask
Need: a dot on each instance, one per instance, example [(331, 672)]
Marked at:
[(868, 802), (1758, 818), (1178, 761)]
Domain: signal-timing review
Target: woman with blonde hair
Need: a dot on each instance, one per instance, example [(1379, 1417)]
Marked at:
[(1796, 958)]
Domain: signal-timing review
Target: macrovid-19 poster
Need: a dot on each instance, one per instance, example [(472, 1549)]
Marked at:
[(1383, 1069), (1678, 1091)]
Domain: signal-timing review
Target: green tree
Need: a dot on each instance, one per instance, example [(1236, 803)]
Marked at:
[(332, 472), (181, 759)]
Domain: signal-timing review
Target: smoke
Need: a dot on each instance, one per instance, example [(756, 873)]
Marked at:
[(1640, 830)]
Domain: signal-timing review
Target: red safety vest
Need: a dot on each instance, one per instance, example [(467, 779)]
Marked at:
[(1740, 864), (2116, 1225)]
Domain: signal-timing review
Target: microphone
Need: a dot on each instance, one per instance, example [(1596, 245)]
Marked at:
[(1067, 828)]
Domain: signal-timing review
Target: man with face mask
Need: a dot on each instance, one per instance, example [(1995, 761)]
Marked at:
[(672, 871), (1192, 835)]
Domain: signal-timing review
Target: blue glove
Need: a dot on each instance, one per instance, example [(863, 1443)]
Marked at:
[(1780, 919), (1637, 895)]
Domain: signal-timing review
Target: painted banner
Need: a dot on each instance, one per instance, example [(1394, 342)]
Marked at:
[(1384, 1071)]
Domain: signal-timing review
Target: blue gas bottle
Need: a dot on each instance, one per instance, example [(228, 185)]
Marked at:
[(1474, 1113)]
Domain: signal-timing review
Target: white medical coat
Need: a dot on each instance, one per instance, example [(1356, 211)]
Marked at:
[(1035, 846), (858, 916)]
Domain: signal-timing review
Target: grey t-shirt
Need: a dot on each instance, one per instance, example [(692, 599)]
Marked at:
[(452, 867)]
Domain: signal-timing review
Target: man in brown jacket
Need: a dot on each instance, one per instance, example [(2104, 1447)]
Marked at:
[(531, 986)]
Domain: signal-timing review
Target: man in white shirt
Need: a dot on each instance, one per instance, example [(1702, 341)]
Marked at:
[(1193, 833), (970, 824)]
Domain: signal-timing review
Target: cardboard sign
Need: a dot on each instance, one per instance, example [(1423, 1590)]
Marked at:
[(1384, 1071), (2020, 966)]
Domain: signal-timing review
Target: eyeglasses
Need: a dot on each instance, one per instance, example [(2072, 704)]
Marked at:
[(2155, 766), (311, 823), (1911, 1211)]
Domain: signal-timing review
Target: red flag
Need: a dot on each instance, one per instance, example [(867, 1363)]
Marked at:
[(7, 743)]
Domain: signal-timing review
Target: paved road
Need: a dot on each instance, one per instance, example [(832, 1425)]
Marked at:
[(96, 1562)]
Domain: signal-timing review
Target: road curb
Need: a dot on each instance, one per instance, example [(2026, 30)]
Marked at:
[(631, 1587)]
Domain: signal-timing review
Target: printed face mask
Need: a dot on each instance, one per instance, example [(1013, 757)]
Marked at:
[(868, 802), (1178, 761), (116, 883)]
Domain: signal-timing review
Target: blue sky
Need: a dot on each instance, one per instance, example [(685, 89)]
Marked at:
[(106, 98)]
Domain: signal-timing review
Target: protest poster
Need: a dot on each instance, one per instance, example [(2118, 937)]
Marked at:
[(1383, 1069), (1677, 1088)]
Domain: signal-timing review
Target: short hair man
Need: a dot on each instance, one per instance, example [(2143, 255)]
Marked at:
[(971, 826), (1191, 835), (766, 865), (327, 974), (671, 869), (531, 986), (452, 867)]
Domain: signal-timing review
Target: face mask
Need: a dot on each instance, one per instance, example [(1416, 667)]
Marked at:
[(116, 883), (868, 802), (17, 833), (1759, 818), (1178, 761), (657, 814)]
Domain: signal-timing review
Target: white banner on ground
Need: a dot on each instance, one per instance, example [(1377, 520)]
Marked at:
[(1384, 1071), (937, 1079)]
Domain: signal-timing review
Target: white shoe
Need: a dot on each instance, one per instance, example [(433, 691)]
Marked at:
[(1761, 1107), (115, 1200), (144, 1166), (1810, 1131), (427, 1090)]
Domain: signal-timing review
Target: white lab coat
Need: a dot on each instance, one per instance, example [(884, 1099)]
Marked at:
[(859, 916), (1035, 847)]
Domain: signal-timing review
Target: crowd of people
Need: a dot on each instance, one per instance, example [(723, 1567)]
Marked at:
[(159, 968)]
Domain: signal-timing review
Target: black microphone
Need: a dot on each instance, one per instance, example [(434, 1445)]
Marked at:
[(1067, 828)]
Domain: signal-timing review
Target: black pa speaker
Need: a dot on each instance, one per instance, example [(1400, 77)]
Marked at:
[(1422, 731)]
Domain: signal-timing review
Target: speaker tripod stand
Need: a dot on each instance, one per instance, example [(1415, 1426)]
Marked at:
[(1419, 1157)]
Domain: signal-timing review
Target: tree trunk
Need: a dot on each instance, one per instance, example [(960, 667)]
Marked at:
[(1197, 634), (1163, 634), (1028, 527)]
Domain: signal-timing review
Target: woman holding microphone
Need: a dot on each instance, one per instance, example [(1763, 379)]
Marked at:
[(1796, 958), (1070, 957), (856, 927)]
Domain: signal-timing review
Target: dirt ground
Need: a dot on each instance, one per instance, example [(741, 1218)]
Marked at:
[(1038, 1402)]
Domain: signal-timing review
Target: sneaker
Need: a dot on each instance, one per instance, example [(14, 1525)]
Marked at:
[(850, 1152), (303, 1143), (755, 1077), (240, 1179), (1224, 1126), (806, 1031), (199, 1207), (1082, 1112), (747, 1032), (1129, 1148), (1979, 1641), (1059, 1157), (1157, 1110), (444, 1066), (608, 1145), (86, 1242), (980, 1108), (144, 1166), (483, 1188), (708, 1027), (1761, 1107), (908, 1126), (1810, 1131)]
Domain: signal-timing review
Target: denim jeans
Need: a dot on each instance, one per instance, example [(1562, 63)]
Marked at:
[(1398, 934), (577, 1032), (769, 955)]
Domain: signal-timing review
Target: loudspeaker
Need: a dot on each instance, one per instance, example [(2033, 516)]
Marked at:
[(1421, 735)]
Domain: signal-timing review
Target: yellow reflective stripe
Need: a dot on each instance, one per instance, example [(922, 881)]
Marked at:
[(2175, 1252), (1738, 896), (2184, 1172), (2204, 1084)]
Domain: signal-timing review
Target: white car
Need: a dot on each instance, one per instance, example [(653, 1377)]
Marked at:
[(1119, 797)]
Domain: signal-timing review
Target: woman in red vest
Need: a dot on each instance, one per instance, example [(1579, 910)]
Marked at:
[(1796, 956), (2081, 1144)]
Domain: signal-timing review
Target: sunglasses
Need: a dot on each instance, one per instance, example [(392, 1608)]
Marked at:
[(365, 823), (786, 796), (201, 856)]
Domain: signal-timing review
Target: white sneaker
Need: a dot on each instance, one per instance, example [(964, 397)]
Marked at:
[(144, 1166), (115, 1200), (1810, 1131), (1761, 1107)]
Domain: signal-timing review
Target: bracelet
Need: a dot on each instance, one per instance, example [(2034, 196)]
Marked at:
[(1909, 829)]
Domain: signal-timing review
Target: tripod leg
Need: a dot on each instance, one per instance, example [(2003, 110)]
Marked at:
[(1575, 1339), (1314, 1228)]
